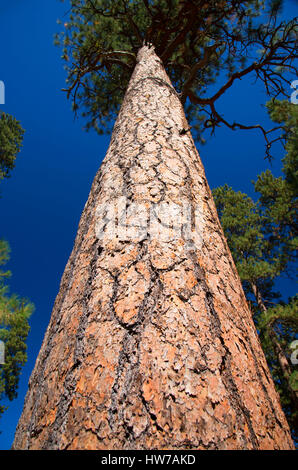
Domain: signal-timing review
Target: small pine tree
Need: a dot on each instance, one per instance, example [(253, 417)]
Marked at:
[(14, 328), (11, 138)]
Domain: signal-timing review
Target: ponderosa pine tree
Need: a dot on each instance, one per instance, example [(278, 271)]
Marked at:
[(151, 343)]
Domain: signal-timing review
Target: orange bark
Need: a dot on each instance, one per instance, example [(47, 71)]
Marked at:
[(151, 344)]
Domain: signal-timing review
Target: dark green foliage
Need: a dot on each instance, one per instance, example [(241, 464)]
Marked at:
[(11, 138), (275, 6), (286, 114), (242, 223), (278, 196), (14, 329), (280, 324), (205, 47)]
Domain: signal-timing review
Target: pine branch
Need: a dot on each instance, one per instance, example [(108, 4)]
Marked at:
[(193, 72)]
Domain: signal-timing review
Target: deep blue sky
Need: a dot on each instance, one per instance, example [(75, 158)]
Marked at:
[(41, 203)]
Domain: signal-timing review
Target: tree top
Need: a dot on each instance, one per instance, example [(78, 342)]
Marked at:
[(205, 47)]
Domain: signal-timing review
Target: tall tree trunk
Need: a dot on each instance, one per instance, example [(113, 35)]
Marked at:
[(151, 343)]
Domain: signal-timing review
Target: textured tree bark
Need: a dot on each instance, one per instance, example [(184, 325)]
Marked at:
[(151, 344)]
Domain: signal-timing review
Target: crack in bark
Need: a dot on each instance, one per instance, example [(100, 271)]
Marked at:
[(225, 368), (128, 360), (78, 358), (158, 81)]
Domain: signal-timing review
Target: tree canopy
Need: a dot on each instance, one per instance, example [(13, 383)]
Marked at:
[(205, 46)]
